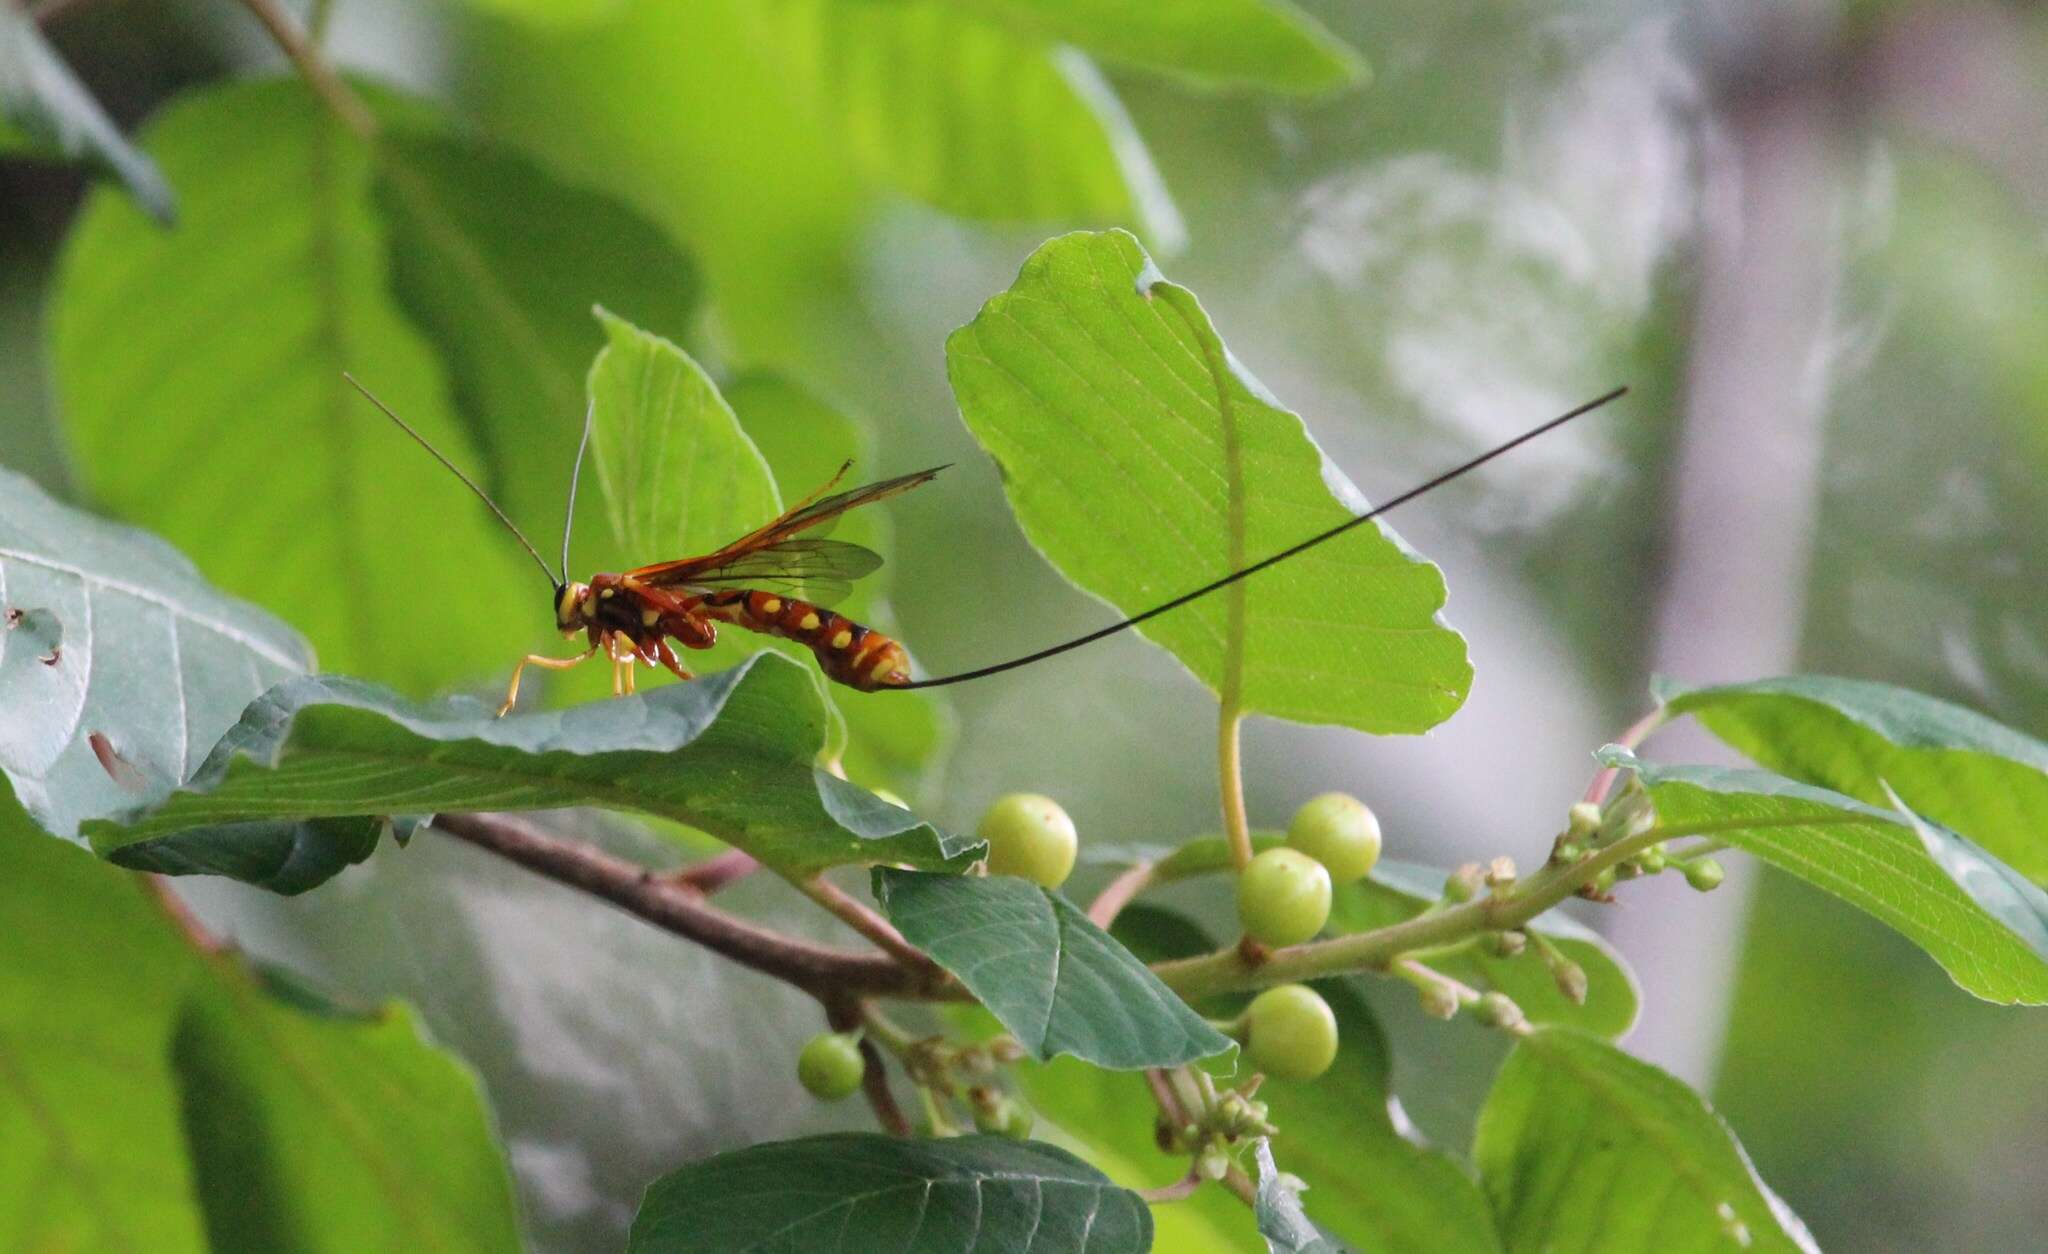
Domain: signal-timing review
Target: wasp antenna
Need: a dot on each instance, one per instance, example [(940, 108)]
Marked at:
[(575, 473), (455, 470), (1274, 560)]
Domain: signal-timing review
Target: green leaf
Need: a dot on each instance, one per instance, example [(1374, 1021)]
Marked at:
[(1874, 860), (552, 14), (200, 373), (45, 109), (152, 1098), (1094, 396), (1402, 890), (148, 656), (1268, 44), (894, 739), (1282, 1221), (316, 1128), (677, 474), (771, 96), (497, 262), (1581, 1147), (881, 1195), (974, 120), (1060, 984), (90, 990), (1950, 763), (731, 754)]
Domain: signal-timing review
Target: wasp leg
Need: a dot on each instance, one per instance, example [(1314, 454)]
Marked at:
[(538, 659), (668, 659)]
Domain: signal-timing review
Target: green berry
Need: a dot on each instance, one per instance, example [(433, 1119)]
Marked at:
[(1029, 836), (1290, 1033), (1283, 897), (1705, 874), (830, 1066), (1339, 831)]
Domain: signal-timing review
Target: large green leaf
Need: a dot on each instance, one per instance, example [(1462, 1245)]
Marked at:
[(731, 754), (45, 109), (498, 262), (1990, 939), (1060, 984), (152, 1098), (786, 124), (314, 1128), (667, 456), (1581, 1147), (200, 375), (964, 116), (894, 739), (1253, 43), (91, 984), (147, 656), (870, 1194), (1095, 396), (1950, 763)]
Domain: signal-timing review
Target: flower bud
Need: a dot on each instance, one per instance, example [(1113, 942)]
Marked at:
[(1439, 1002), (1704, 874), (1571, 981), (1585, 819), (1498, 1010), (1653, 859), (1463, 884), (1500, 873), (1507, 944)]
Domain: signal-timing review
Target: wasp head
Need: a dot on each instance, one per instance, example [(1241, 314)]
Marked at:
[(572, 607)]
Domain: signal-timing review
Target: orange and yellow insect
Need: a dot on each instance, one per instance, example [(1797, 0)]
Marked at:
[(779, 579)]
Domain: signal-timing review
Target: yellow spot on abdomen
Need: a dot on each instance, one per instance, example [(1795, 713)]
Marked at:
[(809, 623), (773, 605), (843, 639)]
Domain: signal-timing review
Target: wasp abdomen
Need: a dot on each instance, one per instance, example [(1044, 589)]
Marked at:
[(847, 652)]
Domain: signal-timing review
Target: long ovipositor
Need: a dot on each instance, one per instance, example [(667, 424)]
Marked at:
[(847, 652)]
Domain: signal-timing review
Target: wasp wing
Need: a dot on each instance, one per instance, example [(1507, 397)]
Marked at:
[(809, 568), (772, 556)]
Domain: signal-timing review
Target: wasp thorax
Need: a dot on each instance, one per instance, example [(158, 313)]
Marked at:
[(572, 606)]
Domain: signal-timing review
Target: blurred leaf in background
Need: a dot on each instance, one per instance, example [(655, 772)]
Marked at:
[(166, 1098)]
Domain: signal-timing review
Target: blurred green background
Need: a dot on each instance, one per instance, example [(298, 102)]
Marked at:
[(1811, 236)]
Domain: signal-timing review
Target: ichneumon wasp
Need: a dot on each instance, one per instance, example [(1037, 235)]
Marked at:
[(780, 581)]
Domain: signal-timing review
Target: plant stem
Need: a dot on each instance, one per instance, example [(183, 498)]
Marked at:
[(844, 1016), (1112, 899), (715, 872), (1230, 690), (1236, 829), (824, 972), (1701, 850), (1181, 1188), (1227, 971), (886, 1031), (339, 96), (865, 921), (1638, 731)]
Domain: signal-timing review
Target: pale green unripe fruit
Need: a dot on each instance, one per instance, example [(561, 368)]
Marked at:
[(1283, 897), (1339, 831), (1031, 837), (830, 1066), (1290, 1033)]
